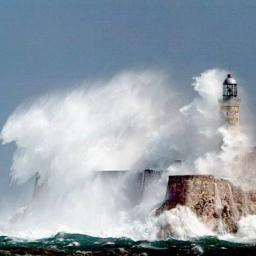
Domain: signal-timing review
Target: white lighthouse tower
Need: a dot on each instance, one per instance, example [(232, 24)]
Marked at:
[(230, 102)]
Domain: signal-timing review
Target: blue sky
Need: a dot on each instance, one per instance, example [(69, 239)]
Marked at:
[(50, 45)]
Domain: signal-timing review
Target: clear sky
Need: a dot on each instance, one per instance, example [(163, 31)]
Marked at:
[(48, 44)]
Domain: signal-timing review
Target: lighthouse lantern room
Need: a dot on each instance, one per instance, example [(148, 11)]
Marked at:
[(230, 103)]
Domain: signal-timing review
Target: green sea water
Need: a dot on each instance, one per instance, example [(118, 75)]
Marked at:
[(78, 244)]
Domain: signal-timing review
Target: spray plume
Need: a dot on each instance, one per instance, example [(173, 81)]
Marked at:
[(133, 121)]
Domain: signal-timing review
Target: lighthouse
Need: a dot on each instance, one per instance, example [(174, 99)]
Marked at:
[(230, 102)]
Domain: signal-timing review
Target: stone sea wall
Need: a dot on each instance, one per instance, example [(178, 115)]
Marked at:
[(217, 202)]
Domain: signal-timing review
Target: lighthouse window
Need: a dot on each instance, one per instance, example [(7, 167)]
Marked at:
[(235, 90)]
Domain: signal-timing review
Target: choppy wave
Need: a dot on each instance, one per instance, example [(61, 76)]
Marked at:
[(65, 243)]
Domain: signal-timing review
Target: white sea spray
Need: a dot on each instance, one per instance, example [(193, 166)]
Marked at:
[(133, 121)]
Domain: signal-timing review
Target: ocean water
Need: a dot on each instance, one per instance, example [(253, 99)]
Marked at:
[(78, 244)]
